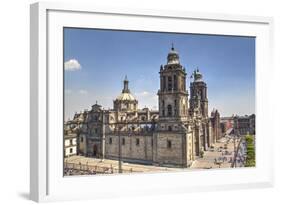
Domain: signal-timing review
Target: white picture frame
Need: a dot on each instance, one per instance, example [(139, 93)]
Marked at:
[(46, 175)]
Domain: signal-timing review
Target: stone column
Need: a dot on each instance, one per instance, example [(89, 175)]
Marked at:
[(206, 137)]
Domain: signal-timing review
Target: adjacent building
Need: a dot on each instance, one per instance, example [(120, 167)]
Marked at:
[(227, 123), (70, 142), (244, 124), (216, 126)]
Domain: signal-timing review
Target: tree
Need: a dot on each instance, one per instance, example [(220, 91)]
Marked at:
[(251, 153)]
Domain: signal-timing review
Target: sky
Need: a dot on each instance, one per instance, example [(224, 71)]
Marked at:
[(96, 62)]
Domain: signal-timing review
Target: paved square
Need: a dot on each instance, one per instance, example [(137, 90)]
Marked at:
[(219, 156)]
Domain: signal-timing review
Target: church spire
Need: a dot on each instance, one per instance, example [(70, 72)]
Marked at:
[(126, 85)]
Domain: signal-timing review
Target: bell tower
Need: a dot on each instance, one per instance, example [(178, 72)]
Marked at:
[(198, 89), (172, 96), (173, 135)]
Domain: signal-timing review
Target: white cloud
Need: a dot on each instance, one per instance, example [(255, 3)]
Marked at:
[(143, 94), (83, 92), (147, 99), (72, 65)]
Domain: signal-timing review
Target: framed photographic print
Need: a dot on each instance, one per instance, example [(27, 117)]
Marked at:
[(128, 102)]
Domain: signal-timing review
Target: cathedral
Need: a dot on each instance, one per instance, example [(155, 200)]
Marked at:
[(174, 135)]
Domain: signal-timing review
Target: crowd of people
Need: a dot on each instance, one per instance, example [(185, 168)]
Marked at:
[(227, 156)]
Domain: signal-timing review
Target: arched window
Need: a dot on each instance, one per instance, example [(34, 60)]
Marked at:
[(169, 110), (169, 144), (137, 141), (175, 83), (163, 106), (164, 82), (175, 108), (169, 83)]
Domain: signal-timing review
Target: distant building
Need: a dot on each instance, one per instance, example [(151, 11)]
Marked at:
[(244, 124), (175, 135), (226, 124), (216, 125), (70, 143)]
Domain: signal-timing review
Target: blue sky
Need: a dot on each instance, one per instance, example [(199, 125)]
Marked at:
[(96, 62)]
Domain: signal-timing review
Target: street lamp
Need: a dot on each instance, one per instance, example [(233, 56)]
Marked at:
[(234, 162), (120, 151), (120, 146)]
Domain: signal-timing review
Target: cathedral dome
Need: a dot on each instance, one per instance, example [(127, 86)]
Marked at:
[(125, 101), (125, 96), (197, 75), (173, 52), (173, 56)]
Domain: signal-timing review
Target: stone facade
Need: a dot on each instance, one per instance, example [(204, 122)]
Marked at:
[(244, 124), (70, 143), (216, 126), (227, 123), (175, 135)]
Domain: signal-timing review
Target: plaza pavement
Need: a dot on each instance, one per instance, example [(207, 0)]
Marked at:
[(207, 162), (217, 153), (113, 164)]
